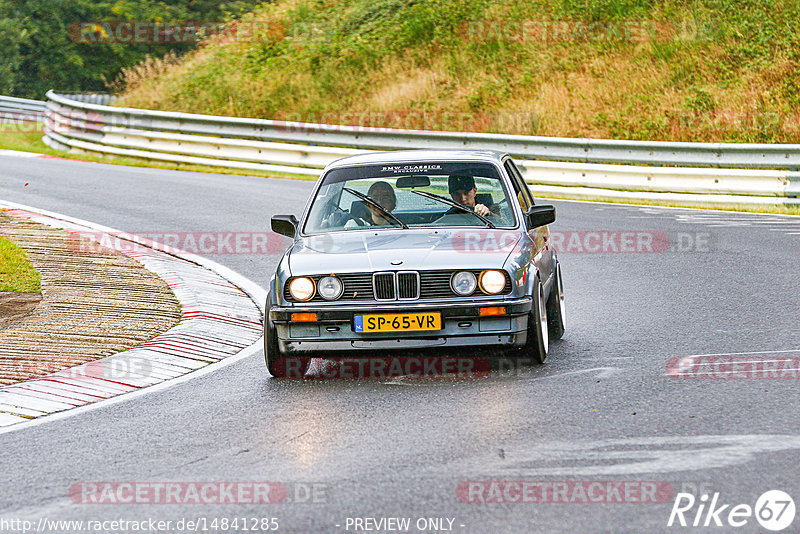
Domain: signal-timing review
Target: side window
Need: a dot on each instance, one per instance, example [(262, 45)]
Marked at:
[(520, 188)]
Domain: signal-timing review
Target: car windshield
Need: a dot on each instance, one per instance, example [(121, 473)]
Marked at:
[(410, 195)]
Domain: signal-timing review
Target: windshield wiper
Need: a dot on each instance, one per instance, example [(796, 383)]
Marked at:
[(455, 204), (380, 208)]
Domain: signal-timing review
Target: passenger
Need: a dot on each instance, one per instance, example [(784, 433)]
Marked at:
[(383, 194)]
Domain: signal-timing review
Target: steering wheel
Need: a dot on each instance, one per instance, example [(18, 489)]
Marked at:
[(330, 215)]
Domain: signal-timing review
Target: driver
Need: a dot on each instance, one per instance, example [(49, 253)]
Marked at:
[(463, 190)]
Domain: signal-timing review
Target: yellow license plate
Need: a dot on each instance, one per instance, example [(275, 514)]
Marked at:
[(398, 322)]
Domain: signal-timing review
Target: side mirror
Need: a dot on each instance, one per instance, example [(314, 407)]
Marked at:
[(285, 225), (540, 215)]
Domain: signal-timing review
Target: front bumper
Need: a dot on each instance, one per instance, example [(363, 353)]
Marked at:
[(461, 326)]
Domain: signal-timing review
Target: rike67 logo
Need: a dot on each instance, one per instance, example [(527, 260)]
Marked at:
[(774, 510)]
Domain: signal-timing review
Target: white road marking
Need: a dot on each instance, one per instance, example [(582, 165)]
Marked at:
[(316, 367), (19, 154), (742, 353), (749, 361), (605, 372), (609, 358), (629, 456), (785, 224)]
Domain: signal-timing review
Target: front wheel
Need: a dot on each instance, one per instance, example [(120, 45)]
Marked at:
[(279, 365), (537, 344), (538, 335)]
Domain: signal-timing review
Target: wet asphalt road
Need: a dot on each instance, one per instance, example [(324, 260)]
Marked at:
[(601, 409)]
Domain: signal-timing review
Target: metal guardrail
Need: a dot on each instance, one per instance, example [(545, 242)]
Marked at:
[(102, 99), (728, 155), (21, 109), (13, 109), (580, 166)]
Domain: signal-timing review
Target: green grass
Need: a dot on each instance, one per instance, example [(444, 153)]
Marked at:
[(17, 274), (677, 70), (27, 138)]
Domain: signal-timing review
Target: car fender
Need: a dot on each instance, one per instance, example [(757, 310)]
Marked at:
[(521, 263), (282, 273), (535, 272)]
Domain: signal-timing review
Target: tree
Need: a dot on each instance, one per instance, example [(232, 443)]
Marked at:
[(41, 46)]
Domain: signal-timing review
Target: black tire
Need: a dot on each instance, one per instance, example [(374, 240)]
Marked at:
[(537, 343), (278, 364), (556, 307)]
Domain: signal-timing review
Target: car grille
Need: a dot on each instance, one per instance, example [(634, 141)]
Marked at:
[(435, 284), (356, 286), (384, 286), (411, 285), (408, 285)]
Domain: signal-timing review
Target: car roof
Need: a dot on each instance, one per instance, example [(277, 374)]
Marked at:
[(406, 156)]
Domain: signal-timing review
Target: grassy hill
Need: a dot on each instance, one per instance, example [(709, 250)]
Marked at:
[(683, 70)]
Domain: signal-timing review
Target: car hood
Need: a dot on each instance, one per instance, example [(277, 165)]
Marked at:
[(417, 249)]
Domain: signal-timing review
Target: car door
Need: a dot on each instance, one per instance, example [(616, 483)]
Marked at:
[(543, 255)]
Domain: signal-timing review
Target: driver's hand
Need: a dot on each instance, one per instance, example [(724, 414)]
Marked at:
[(482, 210)]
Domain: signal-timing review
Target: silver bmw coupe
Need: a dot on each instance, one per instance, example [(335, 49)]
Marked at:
[(414, 250)]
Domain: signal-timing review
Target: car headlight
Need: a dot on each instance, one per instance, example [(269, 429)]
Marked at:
[(463, 283), (302, 289), (330, 288), (492, 282)]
